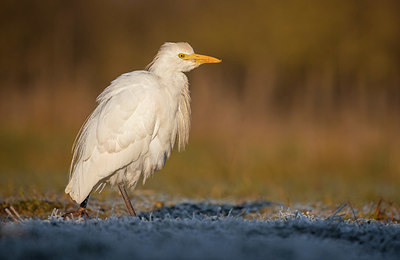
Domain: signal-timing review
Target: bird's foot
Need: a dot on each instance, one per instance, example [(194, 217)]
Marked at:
[(81, 212)]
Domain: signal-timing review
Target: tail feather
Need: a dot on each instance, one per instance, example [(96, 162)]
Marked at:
[(80, 185)]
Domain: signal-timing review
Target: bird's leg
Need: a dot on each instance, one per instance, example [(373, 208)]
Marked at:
[(81, 212), (128, 203)]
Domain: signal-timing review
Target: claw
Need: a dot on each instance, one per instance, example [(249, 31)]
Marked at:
[(81, 212)]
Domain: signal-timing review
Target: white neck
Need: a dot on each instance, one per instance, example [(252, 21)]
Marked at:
[(175, 81), (178, 85)]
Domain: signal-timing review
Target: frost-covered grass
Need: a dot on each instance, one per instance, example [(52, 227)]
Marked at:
[(204, 230)]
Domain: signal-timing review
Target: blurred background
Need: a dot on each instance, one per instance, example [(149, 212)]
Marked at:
[(305, 106)]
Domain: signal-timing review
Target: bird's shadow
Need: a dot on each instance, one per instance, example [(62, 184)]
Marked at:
[(202, 210)]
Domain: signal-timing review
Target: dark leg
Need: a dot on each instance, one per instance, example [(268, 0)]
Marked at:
[(84, 203), (128, 203), (81, 212)]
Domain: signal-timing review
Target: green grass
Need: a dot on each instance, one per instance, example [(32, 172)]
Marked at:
[(287, 170)]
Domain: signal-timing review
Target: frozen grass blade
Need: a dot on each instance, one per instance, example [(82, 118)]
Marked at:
[(11, 215), (334, 215), (16, 213), (354, 213)]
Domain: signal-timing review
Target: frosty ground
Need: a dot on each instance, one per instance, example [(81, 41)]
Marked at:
[(203, 230)]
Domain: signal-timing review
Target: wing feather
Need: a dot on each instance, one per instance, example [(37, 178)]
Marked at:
[(116, 134)]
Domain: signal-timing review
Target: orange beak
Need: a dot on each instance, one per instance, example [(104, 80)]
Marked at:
[(198, 58)]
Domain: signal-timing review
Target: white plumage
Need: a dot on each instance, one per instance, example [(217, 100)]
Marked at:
[(134, 127)]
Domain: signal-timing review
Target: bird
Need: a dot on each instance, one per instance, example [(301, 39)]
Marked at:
[(139, 118)]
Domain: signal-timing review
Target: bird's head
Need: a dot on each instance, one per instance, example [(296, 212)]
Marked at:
[(178, 57)]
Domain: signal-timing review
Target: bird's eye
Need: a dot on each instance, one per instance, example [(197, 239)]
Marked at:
[(181, 55)]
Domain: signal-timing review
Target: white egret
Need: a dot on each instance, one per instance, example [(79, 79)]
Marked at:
[(133, 129)]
